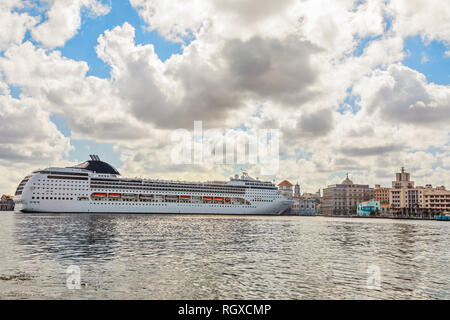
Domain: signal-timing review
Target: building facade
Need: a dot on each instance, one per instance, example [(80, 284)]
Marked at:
[(304, 206), (369, 208), (343, 199), (381, 194), (6, 203), (286, 189), (404, 196), (385, 209), (436, 201)]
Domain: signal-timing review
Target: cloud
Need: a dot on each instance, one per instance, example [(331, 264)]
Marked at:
[(29, 140), (64, 20), (244, 64), (426, 18), (181, 20), (200, 85), (13, 25), (272, 68), (402, 95), (316, 124), (370, 151)]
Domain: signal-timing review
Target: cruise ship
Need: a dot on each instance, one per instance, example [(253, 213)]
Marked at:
[(95, 186)]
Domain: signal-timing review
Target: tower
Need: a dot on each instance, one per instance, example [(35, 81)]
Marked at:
[(297, 193)]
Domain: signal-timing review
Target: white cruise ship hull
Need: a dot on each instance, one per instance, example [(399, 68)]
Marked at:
[(154, 208)]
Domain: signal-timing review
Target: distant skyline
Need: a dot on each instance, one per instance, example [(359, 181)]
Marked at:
[(353, 86)]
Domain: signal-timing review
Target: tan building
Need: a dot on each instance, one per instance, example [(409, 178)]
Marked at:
[(404, 196), (436, 201), (343, 199), (403, 180), (381, 194)]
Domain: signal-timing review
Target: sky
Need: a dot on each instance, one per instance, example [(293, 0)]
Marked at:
[(359, 87)]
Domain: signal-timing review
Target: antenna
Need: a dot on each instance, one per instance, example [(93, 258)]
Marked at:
[(92, 157)]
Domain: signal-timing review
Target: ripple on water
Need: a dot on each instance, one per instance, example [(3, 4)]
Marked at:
[(208, 257)]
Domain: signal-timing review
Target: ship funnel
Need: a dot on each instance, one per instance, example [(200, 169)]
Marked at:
[(94, 157)]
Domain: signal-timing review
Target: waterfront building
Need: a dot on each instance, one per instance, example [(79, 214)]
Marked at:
[(304, 206), (385, 208), (404, 196), (307, 207), (7, 203), (342, 199), (436, 201), (286, 189), (403, 180), (381, 194), (369, 208)]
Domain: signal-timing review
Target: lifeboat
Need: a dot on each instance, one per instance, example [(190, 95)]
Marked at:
[(129, 196), (207, 198), (218, 198), (99, 195), (169, 196), (146, 196), (227, 199), (114, 195), (185, 197)]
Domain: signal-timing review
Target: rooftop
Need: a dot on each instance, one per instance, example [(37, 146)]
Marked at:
[(285, 183)]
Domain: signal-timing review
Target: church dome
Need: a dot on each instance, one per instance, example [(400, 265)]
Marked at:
[(347, 181)]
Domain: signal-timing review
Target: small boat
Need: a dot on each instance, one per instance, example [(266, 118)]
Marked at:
[(207, 198), (185, 197)]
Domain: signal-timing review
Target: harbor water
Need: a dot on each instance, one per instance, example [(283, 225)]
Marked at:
[(118, 256)]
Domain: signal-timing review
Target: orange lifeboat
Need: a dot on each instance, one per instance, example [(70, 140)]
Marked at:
[(185, 197), (219, 198), (99, 195), (227, 199), (114, 195), (207, 198)]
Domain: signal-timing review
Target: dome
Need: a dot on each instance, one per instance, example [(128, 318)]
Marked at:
[(347, 181)]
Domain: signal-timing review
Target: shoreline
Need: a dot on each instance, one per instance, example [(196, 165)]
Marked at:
[(376, 217)]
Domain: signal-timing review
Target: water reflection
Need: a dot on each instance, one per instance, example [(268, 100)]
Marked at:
[(67, 238), (215, 257)]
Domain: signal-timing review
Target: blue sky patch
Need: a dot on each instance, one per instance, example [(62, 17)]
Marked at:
[(363, 43), (351, 101), (428, 58), (82, 46), (15, 91)]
